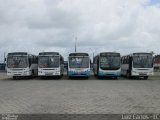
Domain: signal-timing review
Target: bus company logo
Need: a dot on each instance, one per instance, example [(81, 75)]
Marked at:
[(9, 117)]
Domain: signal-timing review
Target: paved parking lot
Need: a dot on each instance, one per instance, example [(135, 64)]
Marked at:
[(79, 96)]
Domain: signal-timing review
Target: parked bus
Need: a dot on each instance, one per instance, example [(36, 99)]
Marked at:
[(137, 65), (50, 64), (21, 64), (107, 64), (79, 64), (157, 63)]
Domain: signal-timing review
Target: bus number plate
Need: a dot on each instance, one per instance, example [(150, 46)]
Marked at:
[(48, 73), (142, 74)]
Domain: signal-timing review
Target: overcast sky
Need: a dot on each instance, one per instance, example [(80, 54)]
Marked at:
[(124, 26)]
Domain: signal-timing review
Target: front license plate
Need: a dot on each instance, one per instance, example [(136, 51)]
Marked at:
[(49, 73), (142, 74)]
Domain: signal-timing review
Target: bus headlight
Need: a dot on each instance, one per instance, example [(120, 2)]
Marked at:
[(39, 71), (134, 71), (57, 72), (26, 72)]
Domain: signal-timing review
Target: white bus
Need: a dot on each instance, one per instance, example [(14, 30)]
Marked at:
[(21, 64), (50, 64), (137, 65), (107, 64), (79, 65)]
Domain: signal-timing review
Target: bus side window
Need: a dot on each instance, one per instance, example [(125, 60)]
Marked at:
[(61, 61), (36, 59), (98, 61), (91, 65), (127, 59), (122, 60), (30, 61), (95, 60), (33, 59)]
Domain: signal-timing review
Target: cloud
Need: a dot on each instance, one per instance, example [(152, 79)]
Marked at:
[(99, 25)]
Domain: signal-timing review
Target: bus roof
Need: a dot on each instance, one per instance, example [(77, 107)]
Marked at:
[(78, 54), (18, 53), (138, 53), (49, 53), (107, 53)]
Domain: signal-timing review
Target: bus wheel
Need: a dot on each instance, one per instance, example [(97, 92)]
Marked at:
[(128, 76), (33, 73), (14, 77), (59, 77), (97, 77), (116, 77), (145, 77), (70, 77), (87, 77), (42, 77)]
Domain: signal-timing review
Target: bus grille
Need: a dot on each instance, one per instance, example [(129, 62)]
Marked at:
[(16, 69)]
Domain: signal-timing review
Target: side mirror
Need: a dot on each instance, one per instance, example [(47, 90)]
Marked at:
[(5, 59)]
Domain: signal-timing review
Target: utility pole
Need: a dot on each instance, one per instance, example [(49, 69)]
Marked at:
[(75, 44)]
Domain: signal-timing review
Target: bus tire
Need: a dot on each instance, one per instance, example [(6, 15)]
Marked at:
[(128, 75), (33, 73), (145, 77), (87, 77), (14, 77), (99, 77), (62, 75), (59, 77), (42, 77)]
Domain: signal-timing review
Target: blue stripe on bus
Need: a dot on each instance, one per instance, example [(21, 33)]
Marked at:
[(72, 73), (116, 74)]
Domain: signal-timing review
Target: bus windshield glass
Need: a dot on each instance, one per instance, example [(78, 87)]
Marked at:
[(17, 62), (79, 62), (142, 61), (48, 61), (110, 62)]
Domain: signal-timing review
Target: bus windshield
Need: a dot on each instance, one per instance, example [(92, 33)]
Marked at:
[(17, 62), (110, 62), (48, 61), (79, 62), (142, 61)]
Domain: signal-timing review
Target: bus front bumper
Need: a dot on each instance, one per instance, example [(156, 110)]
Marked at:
[(19, 73), (109, 74), (49, 73), (83, 73), (135, 73)]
